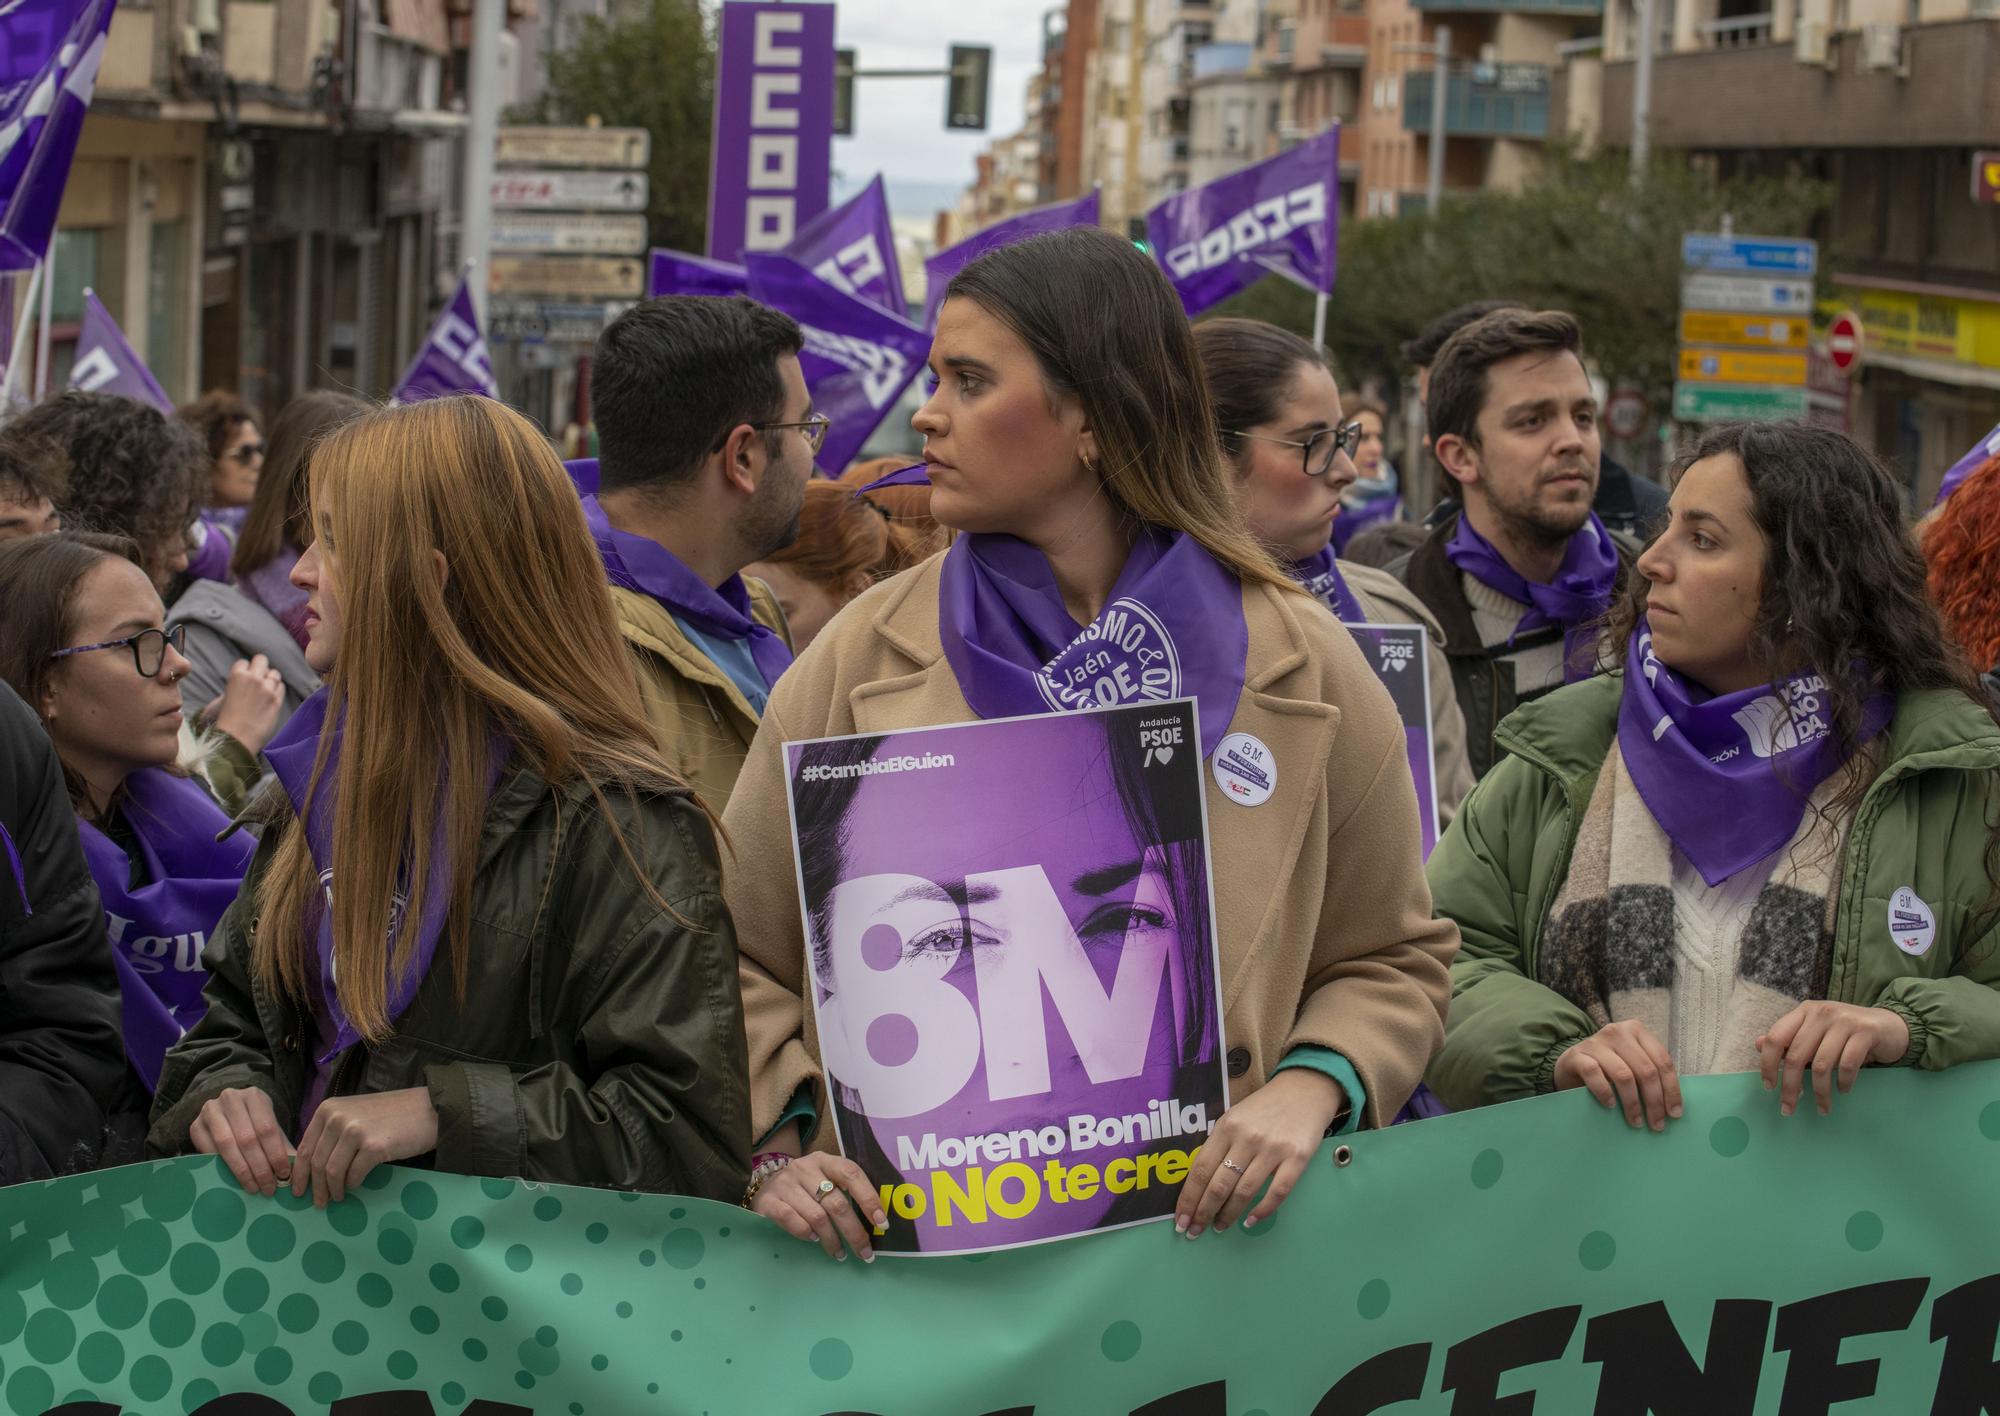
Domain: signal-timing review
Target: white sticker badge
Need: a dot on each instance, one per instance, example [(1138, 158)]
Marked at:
[(1911, 923), (1245, 769)]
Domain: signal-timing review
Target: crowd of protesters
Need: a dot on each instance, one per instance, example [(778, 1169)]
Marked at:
[(387, 792)]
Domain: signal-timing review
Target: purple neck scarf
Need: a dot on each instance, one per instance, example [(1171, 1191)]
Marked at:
[(270, 585), (210, 559), (1580, 592), (290, 755), (635, 563), (1320, 574), (158, 929), (1172, 627), (1727, 777)]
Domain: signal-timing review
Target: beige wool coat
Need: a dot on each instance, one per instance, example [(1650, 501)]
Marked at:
[(1323, 912)]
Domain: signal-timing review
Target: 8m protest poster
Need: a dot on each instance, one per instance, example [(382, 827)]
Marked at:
[(1012, 955), (1401, 659)]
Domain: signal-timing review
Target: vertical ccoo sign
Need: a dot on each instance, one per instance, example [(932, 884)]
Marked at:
[(773, 155)]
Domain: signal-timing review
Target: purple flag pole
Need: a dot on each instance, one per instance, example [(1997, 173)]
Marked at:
[(106, 362), (857, 359), (48, 68), (1277, 217), (940, 268), (453, 358), (16, 339)]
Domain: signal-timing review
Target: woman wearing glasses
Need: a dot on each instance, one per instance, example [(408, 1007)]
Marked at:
[(1279, 415), (1072, 442), (236, 454), (84, 643)]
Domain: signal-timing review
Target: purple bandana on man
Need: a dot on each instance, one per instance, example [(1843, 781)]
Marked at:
[(1321, 577), (1727, 777), (635, 563), (290, 755), (1580, 593), (1172, 627), (159, 927)]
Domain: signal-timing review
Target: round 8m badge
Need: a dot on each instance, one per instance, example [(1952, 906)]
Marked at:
[(1245, 769)]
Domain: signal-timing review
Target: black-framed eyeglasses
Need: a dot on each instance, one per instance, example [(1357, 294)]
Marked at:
[(148, 646), (1316, 453), (246, 454), (815, 429)]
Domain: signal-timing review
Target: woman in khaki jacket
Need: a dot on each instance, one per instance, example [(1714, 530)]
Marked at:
[(1072, 441)]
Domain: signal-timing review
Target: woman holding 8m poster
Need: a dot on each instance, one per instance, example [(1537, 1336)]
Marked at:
[(1102, 564)]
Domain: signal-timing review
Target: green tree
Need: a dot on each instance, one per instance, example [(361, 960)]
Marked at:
[(650, 65)]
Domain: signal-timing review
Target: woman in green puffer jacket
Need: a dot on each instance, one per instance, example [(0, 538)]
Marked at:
[(1767, 842)]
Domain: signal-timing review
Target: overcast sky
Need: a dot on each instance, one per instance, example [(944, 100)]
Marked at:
[(899, 123)]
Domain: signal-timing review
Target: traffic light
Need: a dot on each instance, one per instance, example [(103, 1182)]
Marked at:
[(843, 93), (967, 86), (1135, 227)]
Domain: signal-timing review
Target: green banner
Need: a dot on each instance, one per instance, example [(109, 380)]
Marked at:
[(1536, 1257)]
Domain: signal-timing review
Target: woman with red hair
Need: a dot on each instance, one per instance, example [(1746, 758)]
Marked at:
[(1961, 541)]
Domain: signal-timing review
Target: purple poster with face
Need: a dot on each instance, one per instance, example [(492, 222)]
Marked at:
[(1012, 945), (1401, 659), (1278, 217), (773, 152)]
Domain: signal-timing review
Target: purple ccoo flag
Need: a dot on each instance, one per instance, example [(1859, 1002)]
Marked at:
[(106, 362), (49, 54), (857, 359), (679, 273), (852, 248), (940, 268), (453, 359), (1279, 217), (771, 161)]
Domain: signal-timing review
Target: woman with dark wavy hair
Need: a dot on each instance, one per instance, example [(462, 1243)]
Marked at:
[(1766, 840)]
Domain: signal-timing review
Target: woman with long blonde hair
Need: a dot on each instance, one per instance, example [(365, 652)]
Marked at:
[(477, 774)]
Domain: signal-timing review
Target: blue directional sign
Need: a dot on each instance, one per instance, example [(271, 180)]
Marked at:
[(1750, 255)]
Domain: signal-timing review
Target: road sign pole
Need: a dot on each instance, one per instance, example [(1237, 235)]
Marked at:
[(482, 133)]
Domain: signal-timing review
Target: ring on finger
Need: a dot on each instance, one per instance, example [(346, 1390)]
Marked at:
[(822, 1190), (1232, 1165)]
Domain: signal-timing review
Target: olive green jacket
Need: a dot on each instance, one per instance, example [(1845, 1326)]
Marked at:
[(600, 1040), (1924, 823)]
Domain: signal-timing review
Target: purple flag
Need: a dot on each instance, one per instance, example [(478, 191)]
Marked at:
[(852, 248), (940, 268), (858, 359), (48, 67), (107, 363), (453, 359), (1986, 447), (773, 152), (1279, 217), (678, 273)]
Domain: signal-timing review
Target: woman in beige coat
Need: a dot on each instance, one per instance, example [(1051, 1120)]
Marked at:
[(1072, 441)]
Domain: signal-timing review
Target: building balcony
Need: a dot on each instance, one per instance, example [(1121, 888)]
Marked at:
[(1489, 101), (1938, 85), (1581, 9)]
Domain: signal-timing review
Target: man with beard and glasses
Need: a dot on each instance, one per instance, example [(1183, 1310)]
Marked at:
[(706, 435), (1519, 576)]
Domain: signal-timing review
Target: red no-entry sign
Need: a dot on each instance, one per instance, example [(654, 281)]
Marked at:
[(1843, 341)]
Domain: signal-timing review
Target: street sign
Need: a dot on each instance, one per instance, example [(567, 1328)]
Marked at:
[(582, 277), (573, 147), (1753, 331), (1749, 254), (569, 233), (1986, 177), (1746, 294), (1742, 366), (1625, 412), (570, 189), (551, 321), (1843, 341), (1729, 403)]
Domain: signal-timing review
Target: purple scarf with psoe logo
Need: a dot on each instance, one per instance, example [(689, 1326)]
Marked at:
[(1579, 594), (290, 755), (635, 563), (1727, 777), (270, 585), (1321, 577), (159, 928), (1172, 627)]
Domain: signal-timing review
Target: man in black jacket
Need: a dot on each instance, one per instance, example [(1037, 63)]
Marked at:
[(62, 1051), (1631, 506)]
